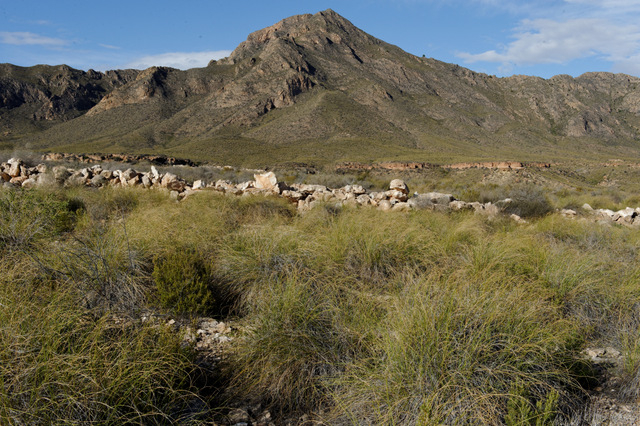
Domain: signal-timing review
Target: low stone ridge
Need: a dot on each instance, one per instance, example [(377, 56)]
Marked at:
[(404, 166), (16, 173)]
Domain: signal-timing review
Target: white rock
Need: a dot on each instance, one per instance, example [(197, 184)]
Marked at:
[(266, 181), (399, 185)]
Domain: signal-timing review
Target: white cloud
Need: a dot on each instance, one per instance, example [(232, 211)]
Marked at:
[(180, 60), (544, 41), (606, 30), (27, 38)]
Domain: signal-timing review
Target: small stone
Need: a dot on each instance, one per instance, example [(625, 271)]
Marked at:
[(238, 415)]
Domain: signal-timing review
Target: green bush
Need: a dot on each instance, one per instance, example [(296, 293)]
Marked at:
[(183, 282), (26, 216)]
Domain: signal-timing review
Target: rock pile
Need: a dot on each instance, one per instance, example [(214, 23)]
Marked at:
[(627, 216), (16, 173), (398, 198)]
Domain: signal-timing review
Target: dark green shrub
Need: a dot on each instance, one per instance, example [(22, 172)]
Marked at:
[(528, 201), (183, 282)]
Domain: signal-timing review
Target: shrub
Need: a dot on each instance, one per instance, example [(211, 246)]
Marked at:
[(183, 282), (26, 216), (528, 201), (294, 346)]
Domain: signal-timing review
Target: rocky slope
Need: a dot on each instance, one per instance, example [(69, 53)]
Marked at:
[(39, 96), (316, 88)]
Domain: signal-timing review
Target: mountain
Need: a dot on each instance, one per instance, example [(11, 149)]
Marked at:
[(35, 98), (315, 88)]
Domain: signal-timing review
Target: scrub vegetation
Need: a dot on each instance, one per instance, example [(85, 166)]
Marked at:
[(354, 315)]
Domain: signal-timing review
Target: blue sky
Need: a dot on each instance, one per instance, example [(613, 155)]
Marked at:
[(499, 37)]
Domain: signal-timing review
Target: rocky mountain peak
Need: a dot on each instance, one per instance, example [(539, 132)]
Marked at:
[(308, 31)]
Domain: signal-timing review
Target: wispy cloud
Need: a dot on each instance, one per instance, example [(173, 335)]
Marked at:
[(27, 38), (606, 30), (545, 41), (109, 46), (180, 60)]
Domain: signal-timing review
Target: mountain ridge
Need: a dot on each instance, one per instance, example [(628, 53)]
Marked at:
[(316, 88)]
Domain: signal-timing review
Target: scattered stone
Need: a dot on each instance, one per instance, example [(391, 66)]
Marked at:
[(238, 415)]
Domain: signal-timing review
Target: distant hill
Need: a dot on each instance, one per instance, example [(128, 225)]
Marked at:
[(314, 88)]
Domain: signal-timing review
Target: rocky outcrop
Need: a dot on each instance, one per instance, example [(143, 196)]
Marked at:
[(50, 93)]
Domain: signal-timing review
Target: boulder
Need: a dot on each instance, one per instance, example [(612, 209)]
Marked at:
[(134, 181), (399, 185), (4, 177), (107, 174), (60, 174), (98, 180), (397, 195), (146, 180), (172, 182), (401, 207), (628, 212), (244, 186), (354, 189), (14, 167), (363, 200), (311, 188), (199, 184), (86, 173), (18, 180), (568, 213), (438, 198), (77, 179), (128, 174), (46, 179), (384, 205), (266, 181), (30, 183), (154, 173)]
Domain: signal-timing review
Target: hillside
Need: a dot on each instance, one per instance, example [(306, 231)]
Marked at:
[(314, 88)]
